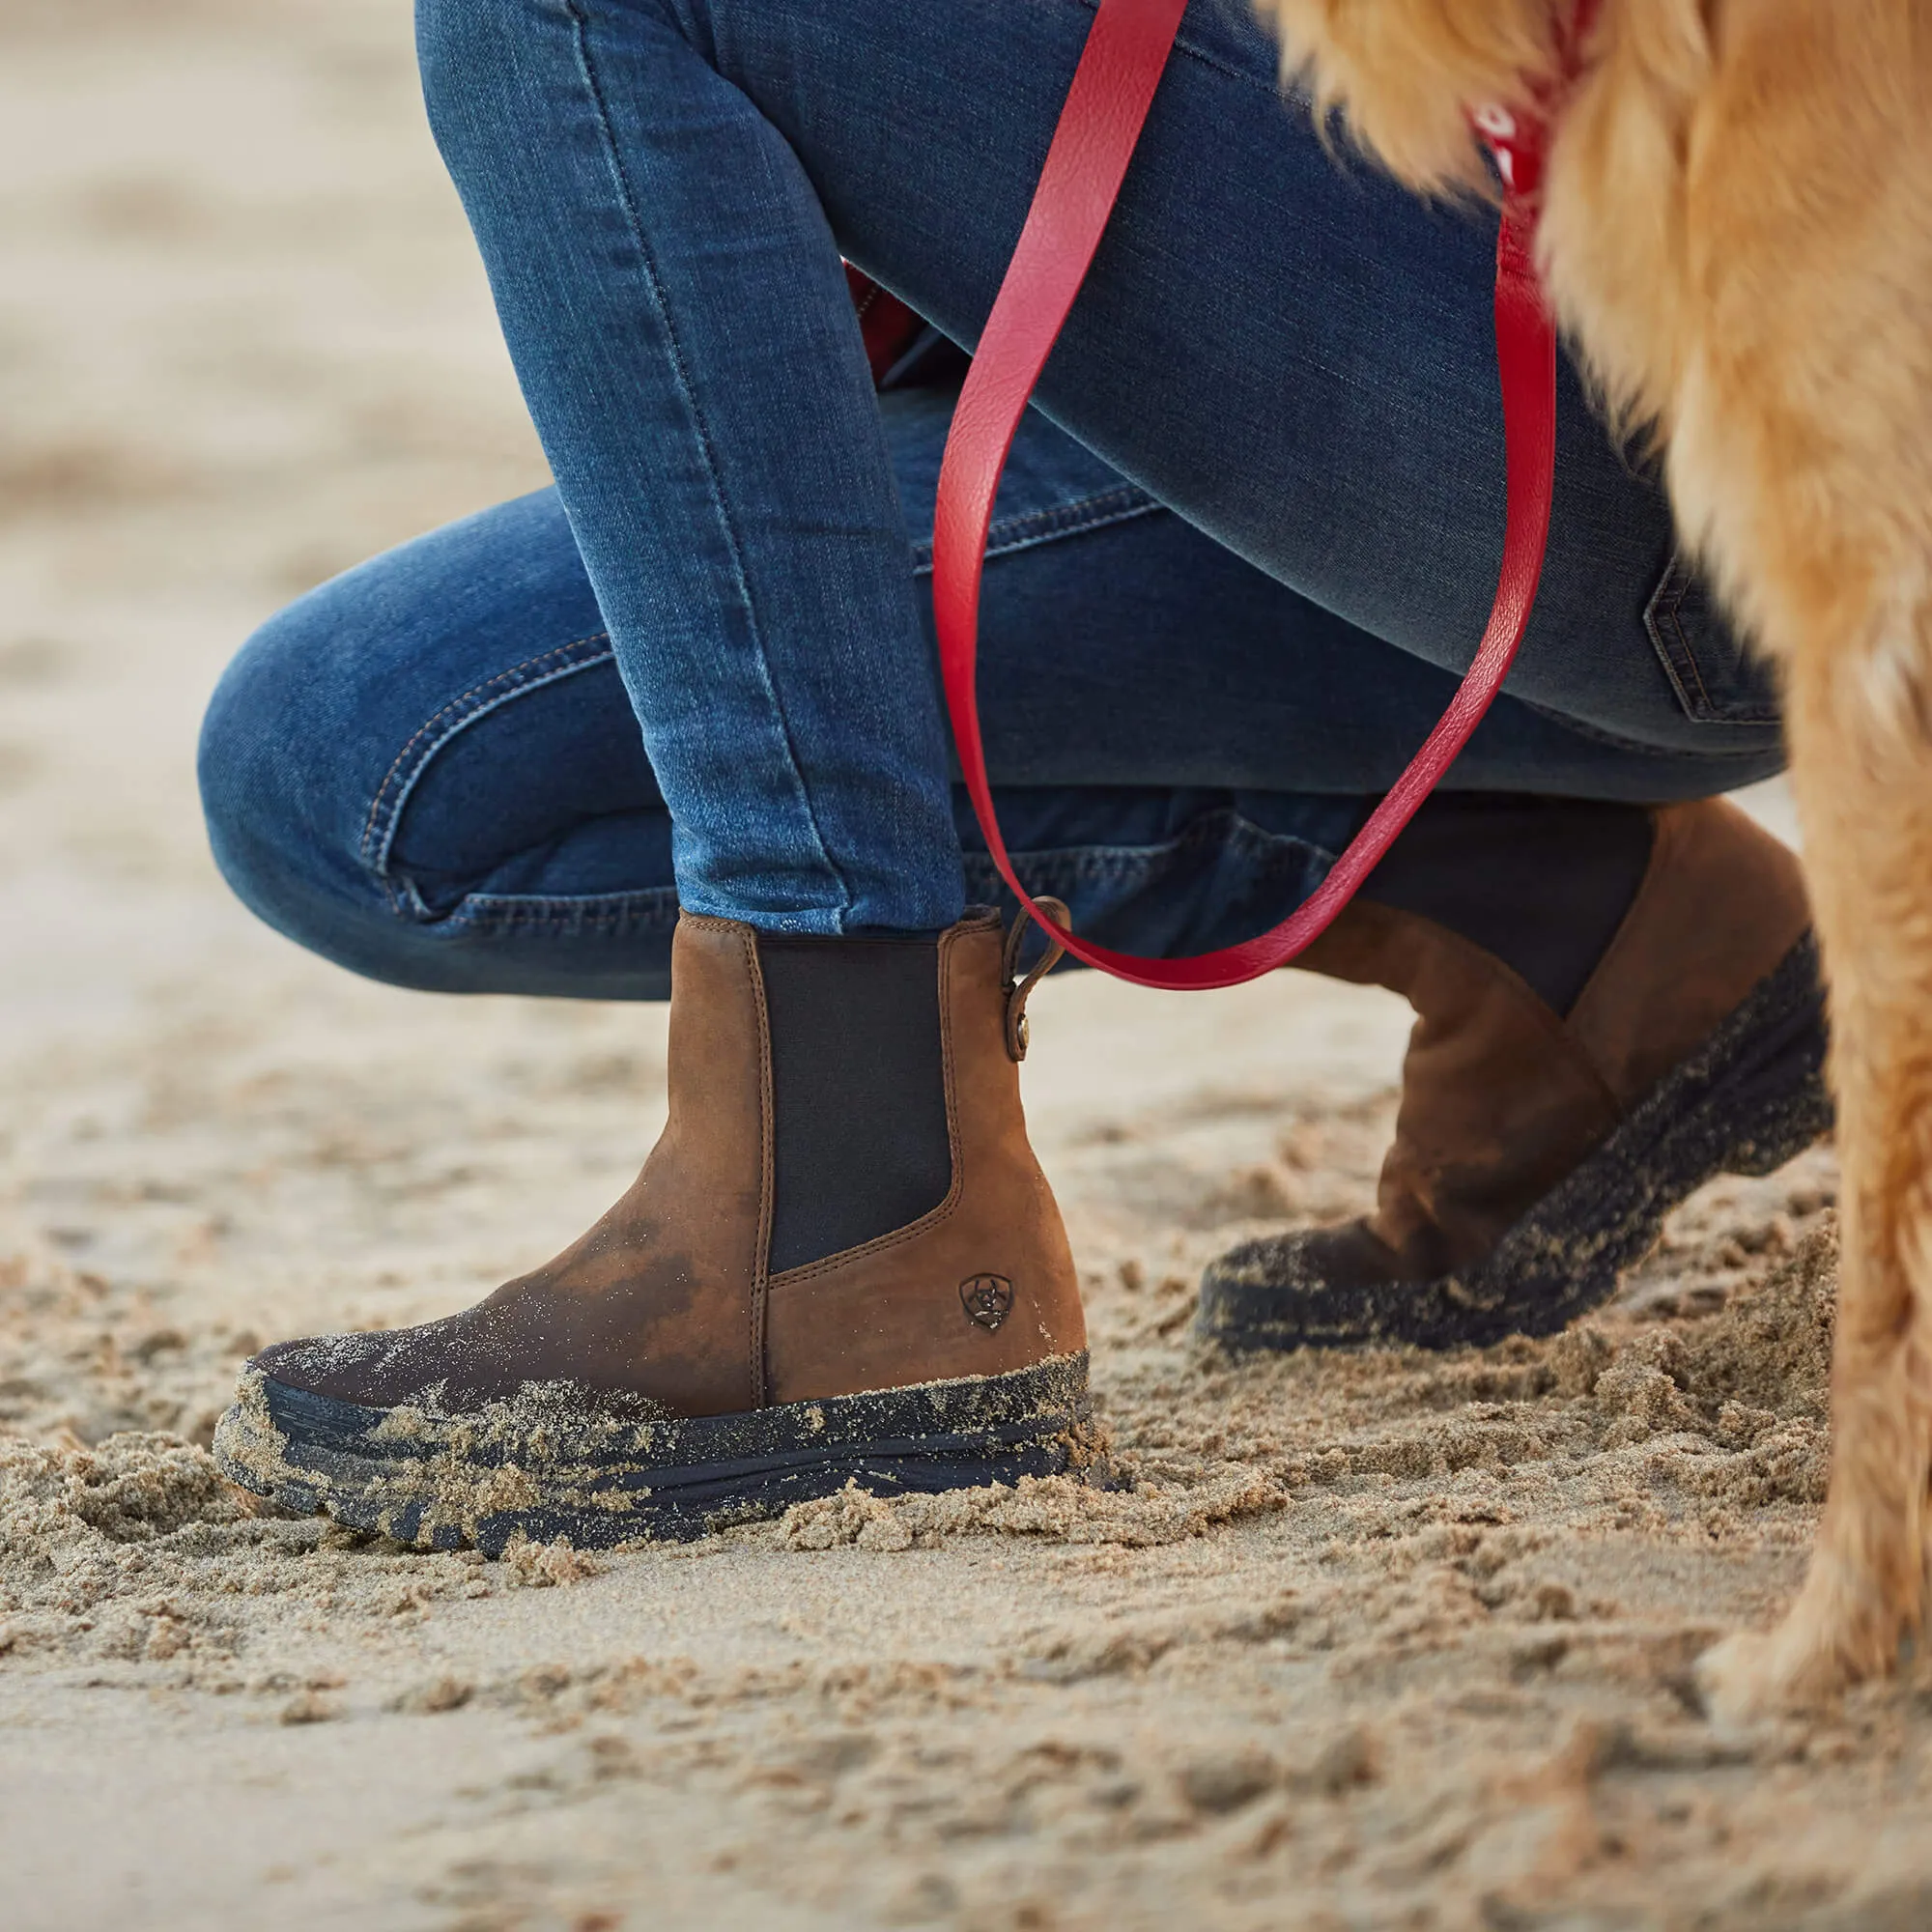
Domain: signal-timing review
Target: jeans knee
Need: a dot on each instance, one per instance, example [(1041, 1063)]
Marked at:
[(275, 766)]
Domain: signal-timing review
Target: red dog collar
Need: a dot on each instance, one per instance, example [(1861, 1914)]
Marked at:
[(1519, 142)]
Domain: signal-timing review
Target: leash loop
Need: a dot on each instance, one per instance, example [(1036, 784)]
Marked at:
[(1017, 991), (1114, 86)]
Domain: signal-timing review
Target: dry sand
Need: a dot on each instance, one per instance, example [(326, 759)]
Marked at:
[(1383, 1641)]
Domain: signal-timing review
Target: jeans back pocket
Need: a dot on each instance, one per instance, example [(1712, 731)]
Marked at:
[(1717, 680)]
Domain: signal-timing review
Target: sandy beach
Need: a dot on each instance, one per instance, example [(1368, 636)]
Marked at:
[(1386, 1640)]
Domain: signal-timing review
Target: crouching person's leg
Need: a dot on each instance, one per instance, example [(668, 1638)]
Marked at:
[(841, 1260)]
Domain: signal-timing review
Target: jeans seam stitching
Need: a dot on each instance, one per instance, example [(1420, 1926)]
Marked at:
[(1672, 616), (1120, 503), (462, 711), (498, 910), (627, 198), (1663, 620)]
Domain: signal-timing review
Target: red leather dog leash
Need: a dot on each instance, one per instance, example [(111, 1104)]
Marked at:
[(1113, 87)]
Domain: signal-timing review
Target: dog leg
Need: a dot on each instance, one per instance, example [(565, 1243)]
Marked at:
[(1860, 725)]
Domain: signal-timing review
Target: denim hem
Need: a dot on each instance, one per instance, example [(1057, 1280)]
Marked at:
[(654, 908), (1226, 830), (1123, 872)]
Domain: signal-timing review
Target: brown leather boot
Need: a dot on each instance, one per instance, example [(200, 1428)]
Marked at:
[(1537, 1155), (702, 1355)]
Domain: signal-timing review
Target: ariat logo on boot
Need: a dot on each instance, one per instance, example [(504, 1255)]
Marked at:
[(988, 1299)]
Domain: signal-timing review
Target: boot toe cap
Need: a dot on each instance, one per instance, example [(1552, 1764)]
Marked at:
[(1323, 1287), (383, 1369)]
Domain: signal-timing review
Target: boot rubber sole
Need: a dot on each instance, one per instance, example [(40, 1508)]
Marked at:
[(1751, 1098), (551, 1464)]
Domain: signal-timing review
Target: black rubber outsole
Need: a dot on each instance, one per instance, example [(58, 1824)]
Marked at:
[(551, 1467), (1751, 1098)]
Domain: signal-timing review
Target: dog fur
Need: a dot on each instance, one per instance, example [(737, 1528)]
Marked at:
[(1737, 236)]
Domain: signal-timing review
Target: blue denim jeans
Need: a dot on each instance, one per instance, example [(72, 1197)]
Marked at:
[(1249, 536)]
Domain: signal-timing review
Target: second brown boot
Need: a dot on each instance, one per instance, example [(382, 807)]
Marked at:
[(841, 1264), (1538, 1151)]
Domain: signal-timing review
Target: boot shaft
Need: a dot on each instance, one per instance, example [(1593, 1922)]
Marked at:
[(977, 1280), (1503, 1095)]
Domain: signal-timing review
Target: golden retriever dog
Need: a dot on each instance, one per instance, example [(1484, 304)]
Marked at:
[(1737, 238)]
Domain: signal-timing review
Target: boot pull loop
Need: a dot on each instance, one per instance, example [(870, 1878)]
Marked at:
[(1017, 990)]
